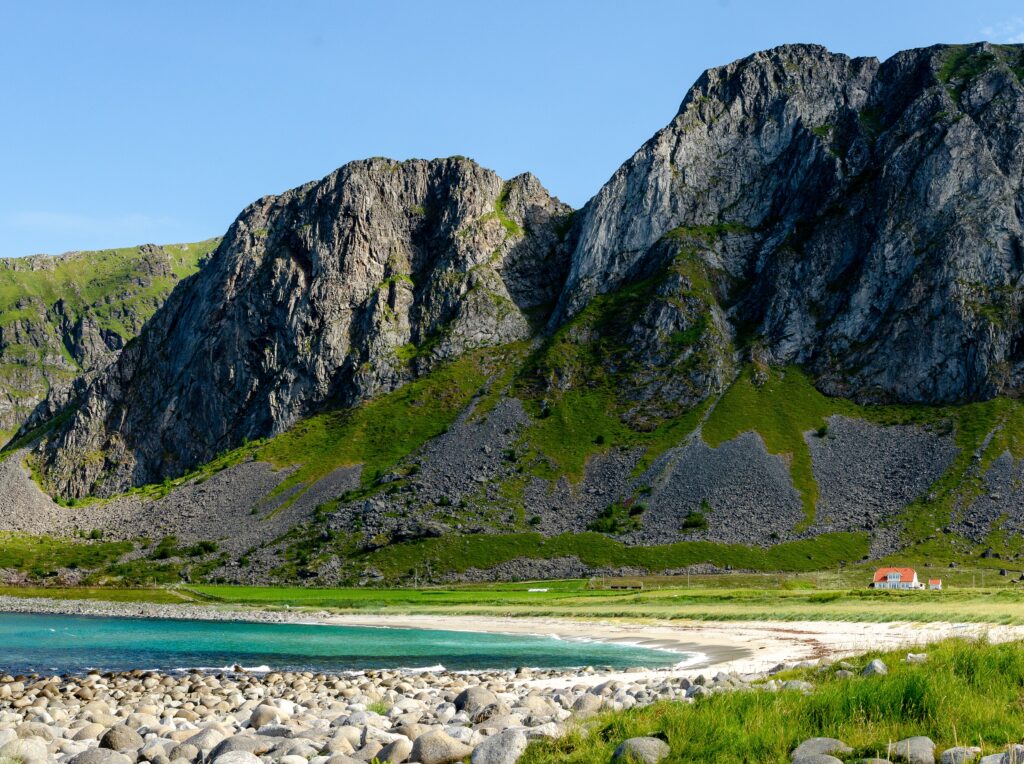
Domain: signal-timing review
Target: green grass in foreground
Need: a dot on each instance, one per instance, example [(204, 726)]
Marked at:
[(967, 693)]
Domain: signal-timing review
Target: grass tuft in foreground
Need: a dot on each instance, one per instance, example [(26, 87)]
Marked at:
[(967, 693)]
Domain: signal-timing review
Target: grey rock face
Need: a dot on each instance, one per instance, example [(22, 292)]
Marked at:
[(745, 492), (336, 291), (877, 471), (863, 218)]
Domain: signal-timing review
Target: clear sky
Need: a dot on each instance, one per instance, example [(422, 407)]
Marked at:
[(137, 121)]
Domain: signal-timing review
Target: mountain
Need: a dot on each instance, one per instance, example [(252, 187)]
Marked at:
[(67, 315), (785, 335), (333, 292)]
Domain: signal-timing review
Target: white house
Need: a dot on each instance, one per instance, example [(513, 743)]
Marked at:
[(935, 583), (897, 578)]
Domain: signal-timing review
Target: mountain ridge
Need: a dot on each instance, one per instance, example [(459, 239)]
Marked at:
[(649, 368)]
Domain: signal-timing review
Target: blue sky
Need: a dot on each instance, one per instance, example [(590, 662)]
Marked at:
[(144, 121)]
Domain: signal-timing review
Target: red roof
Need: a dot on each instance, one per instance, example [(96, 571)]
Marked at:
[(934, 580), (906, 574)]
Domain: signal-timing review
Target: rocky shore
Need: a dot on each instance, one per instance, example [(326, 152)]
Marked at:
[(401, 717), (189, 612), (296, 717)]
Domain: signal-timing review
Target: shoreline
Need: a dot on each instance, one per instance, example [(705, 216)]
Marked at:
[(729, 646)]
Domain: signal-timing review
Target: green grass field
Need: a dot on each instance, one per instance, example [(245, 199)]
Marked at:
[(976, 595), (811, 596)]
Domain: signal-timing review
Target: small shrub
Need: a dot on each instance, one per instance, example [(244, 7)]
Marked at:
[(695, 521)]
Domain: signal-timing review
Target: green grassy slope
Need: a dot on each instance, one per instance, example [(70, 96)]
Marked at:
[(119, 289)]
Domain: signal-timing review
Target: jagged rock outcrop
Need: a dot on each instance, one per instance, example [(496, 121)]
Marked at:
[(864, 218), (332, 292), (64, 316)]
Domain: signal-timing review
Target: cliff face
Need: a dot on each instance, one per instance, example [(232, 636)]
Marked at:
[(332, 292), (856, 218), (64, 316), (864, 219)]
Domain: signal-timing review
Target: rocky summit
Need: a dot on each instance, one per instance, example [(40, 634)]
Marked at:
[(790, 321)]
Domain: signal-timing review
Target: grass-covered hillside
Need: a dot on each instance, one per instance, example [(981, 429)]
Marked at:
[(468, 471), (65, 315)]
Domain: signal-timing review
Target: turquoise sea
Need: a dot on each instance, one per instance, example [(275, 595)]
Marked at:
[(58, 644)]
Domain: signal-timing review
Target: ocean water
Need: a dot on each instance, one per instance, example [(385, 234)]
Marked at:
[(58, 644)]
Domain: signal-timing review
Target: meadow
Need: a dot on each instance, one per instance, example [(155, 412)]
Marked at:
[(975, 595)]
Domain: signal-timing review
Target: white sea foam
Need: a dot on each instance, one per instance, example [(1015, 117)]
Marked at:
[(264, 669)]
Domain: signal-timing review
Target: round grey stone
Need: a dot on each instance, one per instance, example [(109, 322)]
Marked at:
[(503, 748), (121, 737), (646, 750), (100, 756), (237, 757)]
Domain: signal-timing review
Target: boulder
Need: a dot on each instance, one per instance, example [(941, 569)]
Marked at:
[(34, 729), (504, 748), (644, 750), (961, 754), (264, 715), (1014, 754), (28, 749), (121, 737), (253, 744), (439, 748), (237, 757), (875, 668), (90, 731), (205, 740), (396, 752), (99, 756), (913, 750), (474, 699), (825, 745), (587, 704)]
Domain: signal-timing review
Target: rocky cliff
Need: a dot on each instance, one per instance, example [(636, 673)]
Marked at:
[(696, 355), (64, 316), (330, 293), (861, 219)]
